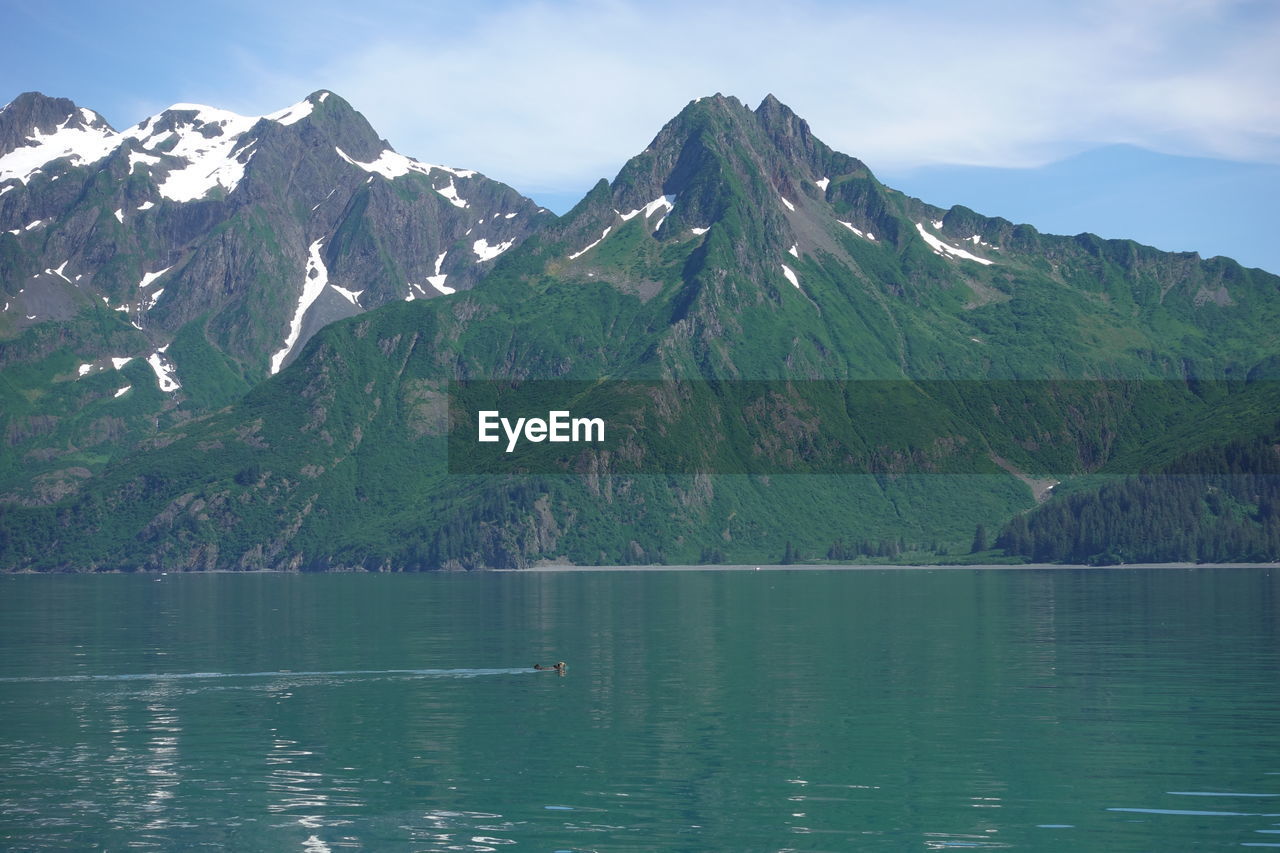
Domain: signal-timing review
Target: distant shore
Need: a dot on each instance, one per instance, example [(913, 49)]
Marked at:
[(748, 567), (870, 567)]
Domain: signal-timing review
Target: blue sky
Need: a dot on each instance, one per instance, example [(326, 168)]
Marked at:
[(1151, 119)]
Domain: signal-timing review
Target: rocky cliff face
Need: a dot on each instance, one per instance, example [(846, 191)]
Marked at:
[(218, 213), (235, 236)]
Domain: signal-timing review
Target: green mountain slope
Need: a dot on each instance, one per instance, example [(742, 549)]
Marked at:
[(1217, 504)]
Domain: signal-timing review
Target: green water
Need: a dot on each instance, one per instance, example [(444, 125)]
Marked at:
[(808, 710)]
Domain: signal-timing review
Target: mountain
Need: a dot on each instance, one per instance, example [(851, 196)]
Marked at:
[(193, 254), (736, 248), (810, 230)]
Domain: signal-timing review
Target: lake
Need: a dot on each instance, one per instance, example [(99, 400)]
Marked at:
[(876, 710)]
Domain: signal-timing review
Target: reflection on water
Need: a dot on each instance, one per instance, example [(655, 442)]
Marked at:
[(806, 711), (281, 675)]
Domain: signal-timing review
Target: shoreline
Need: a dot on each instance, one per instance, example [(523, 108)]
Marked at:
[(566, 568), (880, 567)]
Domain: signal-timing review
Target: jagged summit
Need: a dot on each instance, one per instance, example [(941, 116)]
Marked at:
[(760, 174), (792, 135), (210, 146), (718, 137), (36, 129), (33, 114)]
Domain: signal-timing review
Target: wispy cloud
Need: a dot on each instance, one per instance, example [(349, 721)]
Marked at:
[(551, 95), (543, 94)]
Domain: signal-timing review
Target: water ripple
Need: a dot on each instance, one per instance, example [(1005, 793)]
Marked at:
[(283, 673), (1194, 813)]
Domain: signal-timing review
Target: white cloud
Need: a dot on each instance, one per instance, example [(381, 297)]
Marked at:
[(552, 95)]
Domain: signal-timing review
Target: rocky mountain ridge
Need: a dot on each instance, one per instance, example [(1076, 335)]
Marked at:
[(736, 246), (236, 237)]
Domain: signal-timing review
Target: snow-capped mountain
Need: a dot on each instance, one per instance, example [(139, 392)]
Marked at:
[(206, 247), (153, 220)]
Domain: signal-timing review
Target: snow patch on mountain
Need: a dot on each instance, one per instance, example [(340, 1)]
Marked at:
[(591, 246), (451, 192), (137, 158), (323, 200), (215, 166), (664, 202), (457, 173), (789, 205), (58, 271), (119, 214), (122, 391), (485, 252), (823, 184), (791, 276), (164, 370), (146, 205), (868, 235), (437, 281), (946, 250), (80, 145), (149, 278), (208, 139), (118, 363), (352, 296), (290, 115), (392, 165), (314, 280)]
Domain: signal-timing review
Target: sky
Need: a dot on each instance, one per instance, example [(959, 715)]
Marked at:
[(1157, 120)]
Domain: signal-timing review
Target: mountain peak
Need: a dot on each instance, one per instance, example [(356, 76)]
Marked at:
[(36, 129), (773, 112), (717, 153), (217, 121), (33, 115), (770, 101), (717, 103), (787, 130), (41, 109)]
